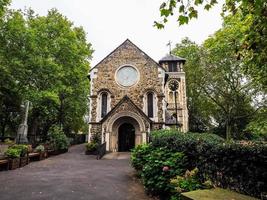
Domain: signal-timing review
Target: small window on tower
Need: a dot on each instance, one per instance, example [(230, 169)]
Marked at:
[(172, 66)]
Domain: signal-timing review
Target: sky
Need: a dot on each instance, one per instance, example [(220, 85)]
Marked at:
[(108, 23)]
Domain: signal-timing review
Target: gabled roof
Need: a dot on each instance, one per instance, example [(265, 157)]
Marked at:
[(124, 99), (127, 41), (171, 57)]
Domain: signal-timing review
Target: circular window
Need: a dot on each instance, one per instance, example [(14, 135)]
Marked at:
[(127, 76)]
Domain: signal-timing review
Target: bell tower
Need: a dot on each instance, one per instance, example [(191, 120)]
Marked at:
[(175, 92)]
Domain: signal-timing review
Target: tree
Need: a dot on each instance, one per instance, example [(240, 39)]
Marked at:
[(253, 41), (47, 59), (3, 7), (11, 31), (257, 128), (225, 83), (218, 90), (199, 115)]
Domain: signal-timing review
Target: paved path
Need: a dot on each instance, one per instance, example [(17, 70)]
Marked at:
[(72, 176)]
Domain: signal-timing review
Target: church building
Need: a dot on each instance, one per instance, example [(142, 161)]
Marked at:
[(132, 95)]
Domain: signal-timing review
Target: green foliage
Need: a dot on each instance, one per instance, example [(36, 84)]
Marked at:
[(177, 141), (139, 156), (225, 83), (156, 167), (258, 126), (220, 95), (20, 148), (23, 149), (43, 59), (237, 165), (200, 107), (13, 153), (58, 139), (252, 33), (40, 148), (188, 182), (92, 146), (3, 5)]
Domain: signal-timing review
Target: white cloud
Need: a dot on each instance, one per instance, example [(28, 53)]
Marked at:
[(109, 23)]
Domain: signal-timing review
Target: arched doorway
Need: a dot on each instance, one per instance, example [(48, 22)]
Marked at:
[(126, 140), (112, 125)]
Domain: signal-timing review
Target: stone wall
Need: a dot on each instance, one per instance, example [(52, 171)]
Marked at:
[(150, 79)]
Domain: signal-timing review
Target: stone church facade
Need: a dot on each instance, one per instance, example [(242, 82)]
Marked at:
[(132, 95)]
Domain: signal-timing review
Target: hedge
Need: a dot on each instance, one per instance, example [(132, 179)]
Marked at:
[(240, 166), (156, 166)]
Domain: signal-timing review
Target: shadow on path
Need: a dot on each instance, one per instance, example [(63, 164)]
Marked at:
[(72, 176)]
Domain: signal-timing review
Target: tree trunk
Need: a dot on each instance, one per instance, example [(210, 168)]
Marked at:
[(228, 130), (45, 131), (33, 130)]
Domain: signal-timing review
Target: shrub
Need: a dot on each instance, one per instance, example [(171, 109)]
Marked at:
[(157, 166), (58, 139), (92, 146), (188, 182), (23, 149), (139, 156), (240, 166), (40, 148), (177, 141), (13, 153)]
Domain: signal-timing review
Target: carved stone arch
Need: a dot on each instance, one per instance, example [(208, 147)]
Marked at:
[(105, 90), (147, 90), (133, 115), (112, 127)]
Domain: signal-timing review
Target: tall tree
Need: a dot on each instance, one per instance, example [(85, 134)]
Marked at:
[(218, 89), (199, 115), (12, 29), (254, 33), (225, 83), (47, 58)]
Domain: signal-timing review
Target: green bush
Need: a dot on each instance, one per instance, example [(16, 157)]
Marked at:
[(13, 153), (58, 139), (92, 146), (188, 182), (139, 156), (23, 149), (240, 166), (40, 148), (156, 167)]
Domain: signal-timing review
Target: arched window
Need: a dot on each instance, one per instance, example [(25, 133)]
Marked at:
[(104, 104), (150, 105)]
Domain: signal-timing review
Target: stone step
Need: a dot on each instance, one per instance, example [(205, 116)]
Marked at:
[(117, 156)]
